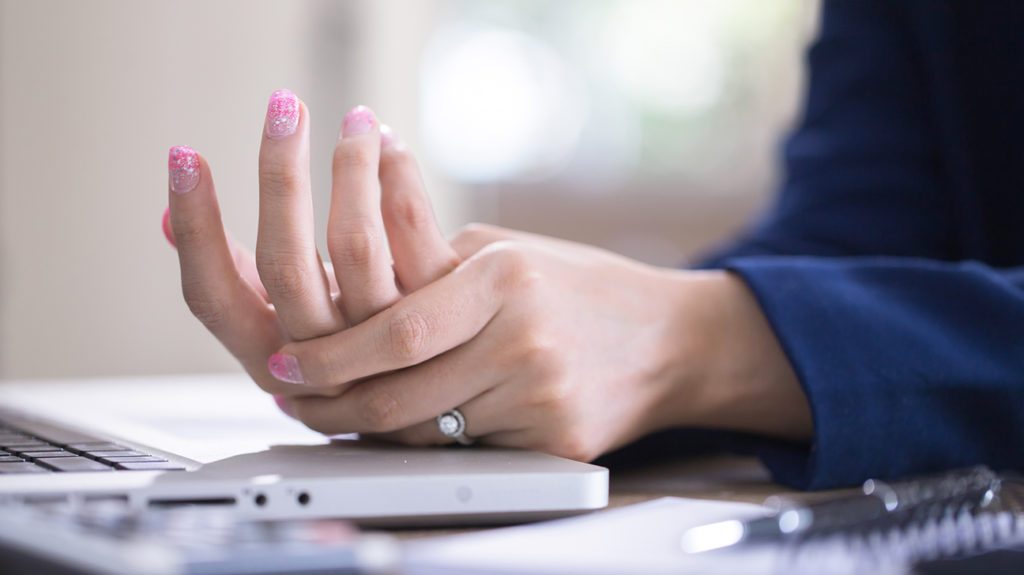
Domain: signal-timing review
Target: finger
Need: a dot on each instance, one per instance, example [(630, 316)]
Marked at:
[(420, 251), (403, 398), (356, 238), (286, 255), (475, 237), (285, 405), (214, 290), (493, 411), (517, 439), (427, 323), (243, 258)]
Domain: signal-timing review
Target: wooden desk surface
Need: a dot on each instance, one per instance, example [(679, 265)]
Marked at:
[(722, 477)]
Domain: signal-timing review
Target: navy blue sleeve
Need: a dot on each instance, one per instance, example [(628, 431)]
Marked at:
[(911, 361), (909, 365), (861, 168)]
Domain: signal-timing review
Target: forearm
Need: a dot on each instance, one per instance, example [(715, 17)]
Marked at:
[(726, 369)]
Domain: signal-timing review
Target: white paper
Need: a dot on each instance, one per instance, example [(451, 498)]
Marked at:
[(642, 538)]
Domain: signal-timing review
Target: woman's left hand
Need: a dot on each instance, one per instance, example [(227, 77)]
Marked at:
[(540, 343)]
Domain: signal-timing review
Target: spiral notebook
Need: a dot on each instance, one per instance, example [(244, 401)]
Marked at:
[(965, 521)]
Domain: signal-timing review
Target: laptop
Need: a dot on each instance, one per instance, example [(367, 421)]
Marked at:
[(218, 441)]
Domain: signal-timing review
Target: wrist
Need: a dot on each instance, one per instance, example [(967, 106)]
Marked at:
[(724, 366)]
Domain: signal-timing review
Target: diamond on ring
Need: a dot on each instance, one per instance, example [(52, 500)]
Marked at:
[(453, 424)]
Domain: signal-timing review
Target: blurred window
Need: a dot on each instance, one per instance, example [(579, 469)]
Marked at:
[(629, 108)]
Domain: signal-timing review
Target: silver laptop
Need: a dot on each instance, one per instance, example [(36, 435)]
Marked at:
[(218, 441)]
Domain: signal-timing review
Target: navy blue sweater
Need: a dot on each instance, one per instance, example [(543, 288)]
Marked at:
[(891, 266)]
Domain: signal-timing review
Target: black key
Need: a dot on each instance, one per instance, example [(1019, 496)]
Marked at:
[(150, 466), (74, 464), (50, 433), (62, 436), (47, 454), (125, 453), (33, 449), (9, 458), (23, 443), (20, 467), (97, 446), (134, 459)]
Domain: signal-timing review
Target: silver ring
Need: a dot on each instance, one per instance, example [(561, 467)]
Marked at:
[(453, 424)]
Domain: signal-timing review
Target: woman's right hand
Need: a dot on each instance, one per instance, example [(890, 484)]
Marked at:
[(254, 304)]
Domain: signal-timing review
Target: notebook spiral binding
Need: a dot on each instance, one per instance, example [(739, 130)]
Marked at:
[(956, 515)]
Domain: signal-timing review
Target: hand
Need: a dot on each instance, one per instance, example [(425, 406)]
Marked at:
[(555, 346), (542, 343), (255, 304)]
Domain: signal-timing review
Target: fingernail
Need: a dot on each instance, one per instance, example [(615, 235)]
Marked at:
[(358, 120), (389, 140), (166, 225), (183, 165), (284, 405), (285, 368), (282, 114)]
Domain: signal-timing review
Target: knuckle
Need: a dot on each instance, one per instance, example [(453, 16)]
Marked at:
[(407, 336), (381, 412), (555, 394), (353, 157), (511, 265), (279, 177), (556, 400), (282, 279), (538, 350), (409, 210), (212, 311), (552, 387), (351, 248), (190, 233), (540, 357)]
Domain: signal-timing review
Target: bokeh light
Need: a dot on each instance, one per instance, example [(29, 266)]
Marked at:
[(498, 104)]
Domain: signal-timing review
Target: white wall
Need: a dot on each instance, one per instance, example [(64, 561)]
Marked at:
[(93, 93), (91, 96)]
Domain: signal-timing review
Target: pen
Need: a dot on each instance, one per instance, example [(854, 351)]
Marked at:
[(876, 500)]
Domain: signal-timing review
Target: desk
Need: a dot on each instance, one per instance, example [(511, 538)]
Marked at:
[(720, 477)]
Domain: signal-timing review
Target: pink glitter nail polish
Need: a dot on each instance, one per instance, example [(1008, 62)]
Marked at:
[(359, 120), (166, 225), (183, 167), (285, 368), (282, 114)]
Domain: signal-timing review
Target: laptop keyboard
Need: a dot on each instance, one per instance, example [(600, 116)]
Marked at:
[(62, 451)]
